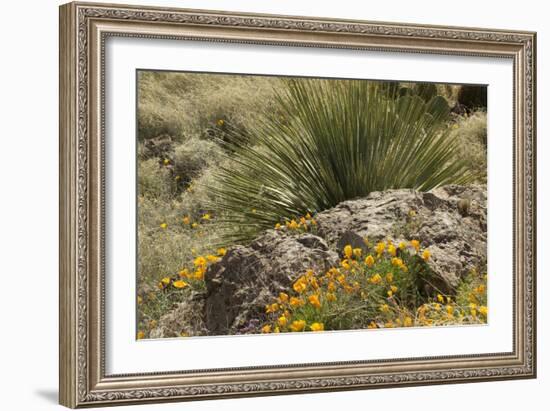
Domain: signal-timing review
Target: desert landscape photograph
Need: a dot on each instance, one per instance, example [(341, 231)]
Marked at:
[(271, 204)]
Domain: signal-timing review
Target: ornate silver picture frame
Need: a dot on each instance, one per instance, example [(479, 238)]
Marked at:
[(84, 30)]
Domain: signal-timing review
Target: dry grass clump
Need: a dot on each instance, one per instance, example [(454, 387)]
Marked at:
[(471, 133), (184, 104)]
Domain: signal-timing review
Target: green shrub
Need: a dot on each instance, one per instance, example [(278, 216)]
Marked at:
[(332, 141)]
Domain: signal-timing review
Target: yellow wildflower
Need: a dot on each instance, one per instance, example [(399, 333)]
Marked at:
[(179, 284), (426, 254), (303, 221), (398, 262), (314, 301), (331, 286), (186, 220), (384, 308), (407, 322), (199, 261), (450, 309), (296, 302), (271, 308), (440, 298), (389, 277), (266, 328), (330, 297), (415, 244), (412, 213), (380, 247), (341, 279), (357, 252), (278, 226), (402, 245), (194, 225), (165, 281), (375, 279), (393, 288), (348, 251), (300, 285), (483, 310), (480, 289), (283, 297), (437, 307), (282, 320), (391, 250), (298, 325), (212, 258), (317, 327), (369, 261), (163, 226), (293, 225), (308, 216), (220, 122), (345, 264), (206, 216), (314, 284), (199, 273), (372, 325), (166, 161), (140, 335), (390, 293)]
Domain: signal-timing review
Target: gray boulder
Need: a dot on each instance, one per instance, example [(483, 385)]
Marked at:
[(450, 220), (248, 278)]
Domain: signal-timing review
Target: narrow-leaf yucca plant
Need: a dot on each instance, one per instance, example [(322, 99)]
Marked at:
[(330, 141)]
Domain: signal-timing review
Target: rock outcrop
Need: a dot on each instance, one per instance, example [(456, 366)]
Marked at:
[(450, 220), (247, 278)]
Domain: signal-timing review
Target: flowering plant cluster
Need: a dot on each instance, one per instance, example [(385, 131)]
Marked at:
[(302, 224), (373, 287)]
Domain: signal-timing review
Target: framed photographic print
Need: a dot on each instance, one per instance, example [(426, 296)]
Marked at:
[(259, 204)]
